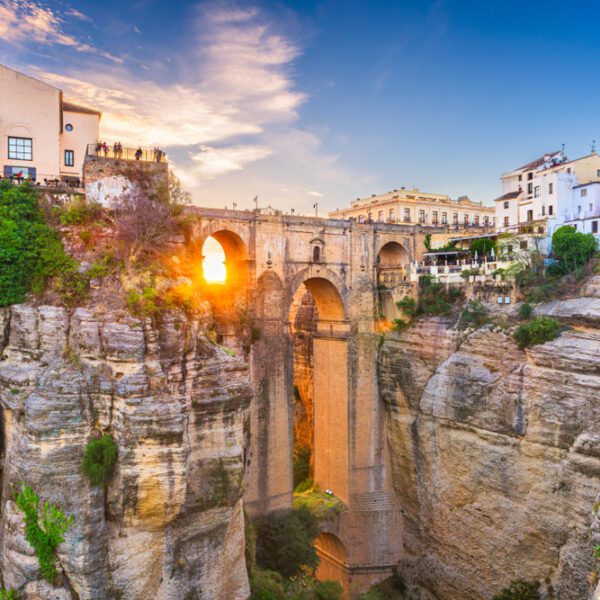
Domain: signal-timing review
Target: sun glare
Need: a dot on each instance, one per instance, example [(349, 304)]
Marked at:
[(213, 262)]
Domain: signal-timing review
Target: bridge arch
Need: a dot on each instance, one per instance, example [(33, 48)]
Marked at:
[(392, 254), (333, 563)]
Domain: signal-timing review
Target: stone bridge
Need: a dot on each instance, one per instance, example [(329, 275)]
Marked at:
[(274, 263)]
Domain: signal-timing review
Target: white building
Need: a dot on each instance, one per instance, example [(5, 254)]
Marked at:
[(536, 194), (582, 210), (42, 136)]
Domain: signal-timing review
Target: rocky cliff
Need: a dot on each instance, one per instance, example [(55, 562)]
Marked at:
[(495, 454), (170, 523)]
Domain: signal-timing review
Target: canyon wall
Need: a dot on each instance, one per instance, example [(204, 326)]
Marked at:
[(170, 523), (496, 454)]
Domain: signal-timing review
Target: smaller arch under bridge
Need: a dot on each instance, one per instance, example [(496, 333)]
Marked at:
[(274, 263)]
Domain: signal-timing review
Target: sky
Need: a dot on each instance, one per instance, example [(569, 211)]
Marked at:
[(322, 102)]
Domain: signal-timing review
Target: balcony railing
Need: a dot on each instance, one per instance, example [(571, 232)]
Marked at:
[(127, 153)]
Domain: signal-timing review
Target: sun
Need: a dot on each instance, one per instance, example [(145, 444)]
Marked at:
[(213, 262)]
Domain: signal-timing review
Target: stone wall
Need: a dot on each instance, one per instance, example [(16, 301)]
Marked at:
[(105, 179), (170, 524)]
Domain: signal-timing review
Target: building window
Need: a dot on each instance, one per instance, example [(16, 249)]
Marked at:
[(530, 188), (476, 219), (20, 148), (455, 218), (361, 218), (598, 173), (569, 170), (583, 193), (69, 158), (579, 208), (466, 216), (543, 210), (370, 216), (506, 221), (444, 218), (550, 210), (434, 217), (594, 226), (69, 127), (407, 214), (550, 188), (316, 254), (530, 215), (537, 192), (380, 216), (391, 215), (520, 177), (506, 204), (529, 176), (523, 245), (421, 216), (486, 220), (591, 206)]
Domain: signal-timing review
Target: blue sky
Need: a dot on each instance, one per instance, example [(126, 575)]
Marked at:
[(303, 102)]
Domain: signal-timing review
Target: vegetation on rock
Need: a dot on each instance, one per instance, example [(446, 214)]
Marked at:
[(322, 504), (525, 311), (30, 251), (301, 461), (44, 532), (8, 594), (538, 331), (572, 248), (474, 314), (285, 541), (99, 459), (520, 590)]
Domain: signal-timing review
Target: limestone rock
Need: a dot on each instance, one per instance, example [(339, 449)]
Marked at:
[(495, 455), (170, 523)]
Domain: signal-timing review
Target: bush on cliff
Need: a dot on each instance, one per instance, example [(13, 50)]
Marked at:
[(285, 541), (539, 331), (572, 248), (8, 594), (44, 533), (99, 459), (30, 251), (520, 590)]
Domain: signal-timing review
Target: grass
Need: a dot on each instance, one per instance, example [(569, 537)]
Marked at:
[(321, 504)]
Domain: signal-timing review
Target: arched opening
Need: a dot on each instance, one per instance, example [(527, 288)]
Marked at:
[(316, 315), (224, 271), (392, 254), (393, 278), (333, 559), (317, 254)]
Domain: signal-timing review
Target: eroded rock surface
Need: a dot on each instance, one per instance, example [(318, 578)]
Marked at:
[(170, 525), (496, 455)]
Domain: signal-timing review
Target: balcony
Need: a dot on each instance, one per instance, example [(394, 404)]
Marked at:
[(126, 153)]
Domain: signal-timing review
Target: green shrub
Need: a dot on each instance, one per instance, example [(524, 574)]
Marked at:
[(267, 585), (407, 305), (520, 590), (399, 324), (475, 313), (572, 248), (99, 459), (8, 594), (30, 252), (372, 594), (301, 466), (328, 590), (44, 534), (80, 211), (597, 552), (285, 541), (304, 486), (540, 330), (469, 273), (525, 311), (482, 246)]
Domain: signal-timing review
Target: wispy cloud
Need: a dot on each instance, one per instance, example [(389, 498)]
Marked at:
[(211, 162), (73, 12), (26, 22)]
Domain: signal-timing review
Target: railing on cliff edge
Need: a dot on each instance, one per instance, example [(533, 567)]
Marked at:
[(126, 153)]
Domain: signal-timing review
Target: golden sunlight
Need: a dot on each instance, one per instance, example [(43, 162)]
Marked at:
[(213, 262)]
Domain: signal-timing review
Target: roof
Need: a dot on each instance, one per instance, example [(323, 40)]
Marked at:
[(538, 162), (30, 77), (586, 184), (509, 196), (71, 107)]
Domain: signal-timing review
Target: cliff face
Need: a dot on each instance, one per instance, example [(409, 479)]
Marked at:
[(496, 454), (170, 524)]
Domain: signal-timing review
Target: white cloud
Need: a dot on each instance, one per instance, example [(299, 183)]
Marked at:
[(211, 162), (315, 194), (73, 12), (26, 21)]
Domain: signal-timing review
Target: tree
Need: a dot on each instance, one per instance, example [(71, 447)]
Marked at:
[(482, 246), (285, 541), (571, 248)]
